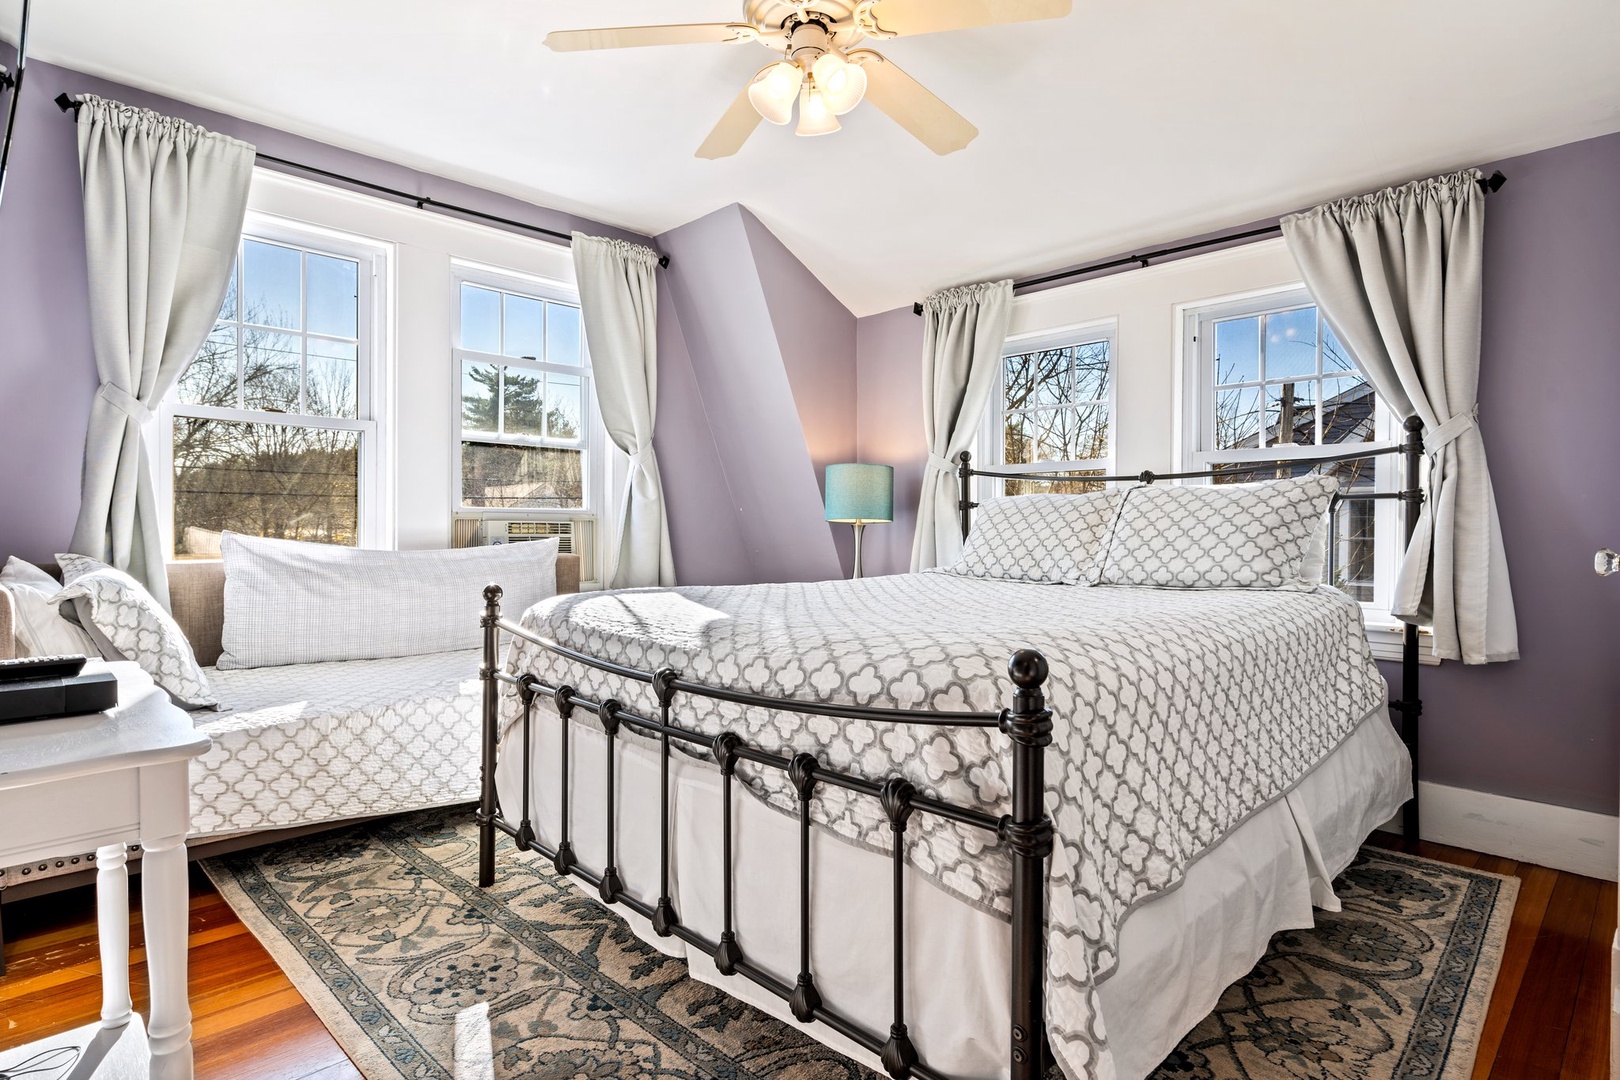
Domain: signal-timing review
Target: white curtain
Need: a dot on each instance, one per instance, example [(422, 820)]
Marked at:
[(1397, 275), (163, 208), (618, 297), (965, 330)]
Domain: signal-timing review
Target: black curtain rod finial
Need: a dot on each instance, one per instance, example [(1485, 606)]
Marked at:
[(66, 103), (663, 262), (1494, 183), (916, 309)]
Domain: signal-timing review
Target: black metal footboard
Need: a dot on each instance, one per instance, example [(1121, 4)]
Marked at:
[(1027, 831)]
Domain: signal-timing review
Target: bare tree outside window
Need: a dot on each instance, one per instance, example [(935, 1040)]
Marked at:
[(1055, 408)]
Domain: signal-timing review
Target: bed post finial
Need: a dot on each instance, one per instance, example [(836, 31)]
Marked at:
[(1028, 832), (487, 809)]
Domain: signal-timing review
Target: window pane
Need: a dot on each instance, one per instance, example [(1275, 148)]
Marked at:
[(563, 402), (333, 295), (562, 334), (270, 284), (1351, 559), (525, 322), (332, 374), (480, 319), (210, 379), (227, 309), (1018, 381), (271, 364), (521, 477), (1072, 434), (1335, 357), (263, 480), (1291, 344), (480, 394), (1291, 413), (1237, 418), (1018, 439), (1053, 487), (1237, 350), (1090, 372), (1347, 410), (525, 404)]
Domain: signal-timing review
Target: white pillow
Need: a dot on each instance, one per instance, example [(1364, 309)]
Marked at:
[(289, 602), (1050, 539), (1217, 536), (129, 624), (41, 629)]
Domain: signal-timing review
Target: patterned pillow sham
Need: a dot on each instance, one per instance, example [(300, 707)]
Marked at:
[(1048, 539), (128, 623), (1221, 536)]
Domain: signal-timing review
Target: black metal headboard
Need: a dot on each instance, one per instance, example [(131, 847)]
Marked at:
[(1409, 704)]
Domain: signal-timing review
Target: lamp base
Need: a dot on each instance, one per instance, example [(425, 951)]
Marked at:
[(860, 529)]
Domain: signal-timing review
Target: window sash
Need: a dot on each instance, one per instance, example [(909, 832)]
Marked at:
[(991, 451)]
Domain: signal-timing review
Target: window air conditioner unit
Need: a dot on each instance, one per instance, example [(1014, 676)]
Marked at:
[(577, 536)]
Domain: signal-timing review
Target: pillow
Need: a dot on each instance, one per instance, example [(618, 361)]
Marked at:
[(1218, 536), (1050, 539), (290, 602), (129, 624), (41, 628)]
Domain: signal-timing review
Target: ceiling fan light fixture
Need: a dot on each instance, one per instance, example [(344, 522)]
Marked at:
[(815, 117), (774, 89), (842, 84)]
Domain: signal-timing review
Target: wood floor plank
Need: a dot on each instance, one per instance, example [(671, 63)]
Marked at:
[(1533, 1044), (1535, 892), (1586, 1054)]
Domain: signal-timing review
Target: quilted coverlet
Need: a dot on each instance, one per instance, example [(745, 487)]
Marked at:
[(1177, 715)]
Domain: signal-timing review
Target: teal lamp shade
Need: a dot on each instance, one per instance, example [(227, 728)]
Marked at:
[(861, 493)]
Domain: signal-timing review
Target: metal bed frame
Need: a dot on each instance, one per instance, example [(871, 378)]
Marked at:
[(1026, 830)]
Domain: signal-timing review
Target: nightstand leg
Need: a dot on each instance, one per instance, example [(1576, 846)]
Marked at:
[(112, 933), (165, 911)]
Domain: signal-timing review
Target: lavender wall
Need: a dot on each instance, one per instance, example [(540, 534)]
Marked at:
[(1546, 727), (47, 369)]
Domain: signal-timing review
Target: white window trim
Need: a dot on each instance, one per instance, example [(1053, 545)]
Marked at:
[(1197, 388), (602, 480), (991, 448), (375, 516)]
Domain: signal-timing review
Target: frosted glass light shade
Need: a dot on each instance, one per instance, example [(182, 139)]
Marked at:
[(815, 118), (860, 493), (841, 83), (773, 90)]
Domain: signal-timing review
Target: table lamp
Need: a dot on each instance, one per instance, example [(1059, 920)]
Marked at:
[(860, 495)]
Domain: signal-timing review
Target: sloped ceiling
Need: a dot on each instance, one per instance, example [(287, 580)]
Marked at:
[(1125, 124)]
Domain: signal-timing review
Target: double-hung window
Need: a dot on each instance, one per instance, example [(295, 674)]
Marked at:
[(1051, 410), (525, 415), (272, 429), (1268, 380)]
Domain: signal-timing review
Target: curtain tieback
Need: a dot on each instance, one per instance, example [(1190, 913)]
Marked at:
[(944, 464), (126, 403), (1448, 432)]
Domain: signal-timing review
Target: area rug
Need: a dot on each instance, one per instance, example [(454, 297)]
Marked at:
[(419, 974)]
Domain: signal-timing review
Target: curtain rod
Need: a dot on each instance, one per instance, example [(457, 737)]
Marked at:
[(1486, 184), (68, 104)]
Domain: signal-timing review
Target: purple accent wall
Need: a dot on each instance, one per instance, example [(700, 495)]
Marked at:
[(1546, 727), (47, 368), (729, 328)]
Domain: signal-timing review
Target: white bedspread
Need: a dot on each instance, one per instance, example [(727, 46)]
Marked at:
[(1177, 716)]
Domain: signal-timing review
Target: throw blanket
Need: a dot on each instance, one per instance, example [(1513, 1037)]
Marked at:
[(1177, 715)]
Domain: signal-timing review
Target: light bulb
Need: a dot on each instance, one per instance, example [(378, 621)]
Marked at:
[(773, 90), (841, 83), (815, 118)]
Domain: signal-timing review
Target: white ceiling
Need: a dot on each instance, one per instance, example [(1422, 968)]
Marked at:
[(1129, 123)]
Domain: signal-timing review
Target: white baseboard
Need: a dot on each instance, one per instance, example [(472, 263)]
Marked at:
[(1578, 841)]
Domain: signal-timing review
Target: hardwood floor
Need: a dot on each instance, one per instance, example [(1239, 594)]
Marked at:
[(1548, 1019)]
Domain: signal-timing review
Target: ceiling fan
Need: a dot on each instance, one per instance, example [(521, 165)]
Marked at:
[(820, 69)]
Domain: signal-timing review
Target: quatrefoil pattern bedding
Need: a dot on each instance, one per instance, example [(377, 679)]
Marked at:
[(1178, 713), (1049, 539)]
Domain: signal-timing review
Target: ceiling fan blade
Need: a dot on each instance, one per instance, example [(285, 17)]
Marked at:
[(907, 17), (911, 105), (732, 131), (632, 37)]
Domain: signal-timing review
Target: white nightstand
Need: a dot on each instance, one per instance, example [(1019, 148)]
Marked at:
[(104, 781)]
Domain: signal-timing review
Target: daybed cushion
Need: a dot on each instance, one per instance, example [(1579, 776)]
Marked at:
[(324, 742), (1219, 536), (288, 602), (127, 623)]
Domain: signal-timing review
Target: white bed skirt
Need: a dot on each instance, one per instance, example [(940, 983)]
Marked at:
[(1178, 951)]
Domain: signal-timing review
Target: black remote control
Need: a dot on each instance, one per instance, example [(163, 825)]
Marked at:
[(28, 668)]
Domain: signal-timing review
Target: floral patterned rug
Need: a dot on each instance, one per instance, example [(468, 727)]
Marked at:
[(419, 974)]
